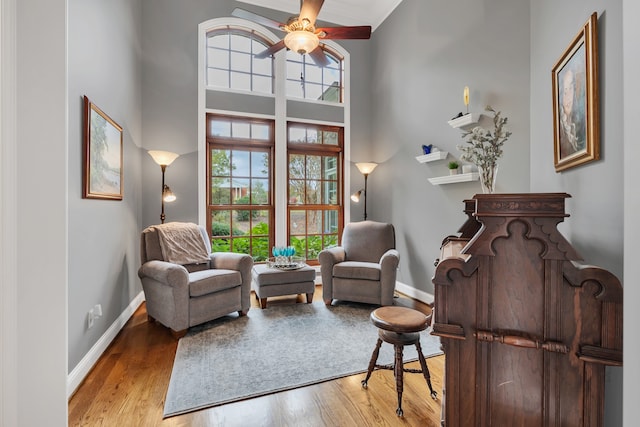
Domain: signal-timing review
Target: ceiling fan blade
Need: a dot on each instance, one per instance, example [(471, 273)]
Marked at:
[(258, 19), (309, 9), (271, 50), (359, 32), (319, 57)]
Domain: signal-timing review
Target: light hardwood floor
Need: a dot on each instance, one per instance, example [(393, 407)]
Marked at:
[(127, 387)]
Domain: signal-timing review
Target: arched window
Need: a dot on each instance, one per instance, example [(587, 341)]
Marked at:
[(231, 63), (306, 80)]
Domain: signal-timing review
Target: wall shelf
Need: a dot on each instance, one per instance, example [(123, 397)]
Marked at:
[(432, 157), (452, 179), (466, 122)]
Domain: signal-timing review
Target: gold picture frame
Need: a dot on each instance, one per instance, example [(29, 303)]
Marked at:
[(102, 177), (576, 113)]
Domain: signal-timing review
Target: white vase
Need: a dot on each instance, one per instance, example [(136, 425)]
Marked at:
[(453, 171), (488, 178)]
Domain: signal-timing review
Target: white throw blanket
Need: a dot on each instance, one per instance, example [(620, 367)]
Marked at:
[(182, 243)]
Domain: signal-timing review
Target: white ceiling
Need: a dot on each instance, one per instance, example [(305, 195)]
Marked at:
[(341, 12)]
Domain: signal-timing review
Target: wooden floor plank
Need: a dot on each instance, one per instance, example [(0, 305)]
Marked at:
[(128, 385)]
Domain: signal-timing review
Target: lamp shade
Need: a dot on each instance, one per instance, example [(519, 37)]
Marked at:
[(366, 168), (167, 194), (163, 158), (356, 196), (301, 41)]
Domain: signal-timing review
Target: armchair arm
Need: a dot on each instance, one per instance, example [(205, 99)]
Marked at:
[(239, 262), (166, 290), (327, 259), (388, 270), (167, 273)]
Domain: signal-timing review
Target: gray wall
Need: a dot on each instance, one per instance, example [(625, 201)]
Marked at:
[(170, 98), (631, 110), (104, 64), (34, 214), (595, 227), (423, 56)]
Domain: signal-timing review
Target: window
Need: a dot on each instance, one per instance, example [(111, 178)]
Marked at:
[(231, 63), (306, 80), (314, 190), (240, 202)]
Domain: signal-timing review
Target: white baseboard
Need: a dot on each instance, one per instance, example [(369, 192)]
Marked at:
[(82, 369), (414, 293)]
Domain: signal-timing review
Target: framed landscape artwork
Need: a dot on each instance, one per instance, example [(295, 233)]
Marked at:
[(102, 155), (575, 101)]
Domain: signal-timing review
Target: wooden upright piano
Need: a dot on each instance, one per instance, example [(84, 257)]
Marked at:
[(527, 331)]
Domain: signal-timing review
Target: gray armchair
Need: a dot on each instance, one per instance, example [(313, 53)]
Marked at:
[(184, 283), (364, 268)]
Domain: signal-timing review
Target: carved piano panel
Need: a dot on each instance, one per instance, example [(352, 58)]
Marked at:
[(527, 331)]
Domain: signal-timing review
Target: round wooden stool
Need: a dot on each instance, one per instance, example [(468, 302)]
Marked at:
[(399, 326)]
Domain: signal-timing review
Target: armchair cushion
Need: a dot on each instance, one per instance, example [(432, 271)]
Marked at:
[(357, 270), (210, 281), (367, 240)]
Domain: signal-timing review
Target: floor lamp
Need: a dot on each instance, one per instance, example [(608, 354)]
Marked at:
[(164, 159), (365, 169)]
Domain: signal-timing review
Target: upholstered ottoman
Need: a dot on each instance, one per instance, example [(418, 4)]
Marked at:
[(271, 282)]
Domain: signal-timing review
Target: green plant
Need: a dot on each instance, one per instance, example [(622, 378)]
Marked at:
[(222, 229), (453, 165), (483, 147)]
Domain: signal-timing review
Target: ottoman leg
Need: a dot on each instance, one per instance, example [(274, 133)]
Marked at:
[(309, 297), (263, 303)]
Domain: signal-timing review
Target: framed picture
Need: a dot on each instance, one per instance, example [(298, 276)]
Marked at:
[(102, 154), (576, 116)]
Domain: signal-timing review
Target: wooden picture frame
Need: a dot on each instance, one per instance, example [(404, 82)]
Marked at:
[(576, 115), (102, 155)]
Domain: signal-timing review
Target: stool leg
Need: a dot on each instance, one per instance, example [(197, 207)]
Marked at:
[(372, 362), (398, 372), (425, 370)]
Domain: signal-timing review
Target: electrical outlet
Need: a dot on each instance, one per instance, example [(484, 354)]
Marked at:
[(90, 319)]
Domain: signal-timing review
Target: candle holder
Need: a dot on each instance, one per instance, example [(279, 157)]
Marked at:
[(465, 96)]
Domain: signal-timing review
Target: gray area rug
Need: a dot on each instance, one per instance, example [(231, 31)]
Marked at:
[(279, 348)]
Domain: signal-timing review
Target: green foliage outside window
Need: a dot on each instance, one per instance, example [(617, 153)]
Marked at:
[(310, 246), (257, 246)]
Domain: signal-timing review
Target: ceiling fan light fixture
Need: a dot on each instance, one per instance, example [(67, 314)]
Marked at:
[(301, 41)]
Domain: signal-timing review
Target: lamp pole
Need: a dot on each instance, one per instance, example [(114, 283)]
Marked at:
[(162, 215), (365, 195)]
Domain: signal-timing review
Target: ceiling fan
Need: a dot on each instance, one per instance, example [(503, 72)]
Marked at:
[(302, 34)]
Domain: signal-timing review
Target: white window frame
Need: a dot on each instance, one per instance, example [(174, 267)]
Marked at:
[(281, 118)]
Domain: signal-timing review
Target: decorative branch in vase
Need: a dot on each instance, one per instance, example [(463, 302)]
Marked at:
[(483, 147)]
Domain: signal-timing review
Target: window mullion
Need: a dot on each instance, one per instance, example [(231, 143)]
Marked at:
[(281, 157)]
